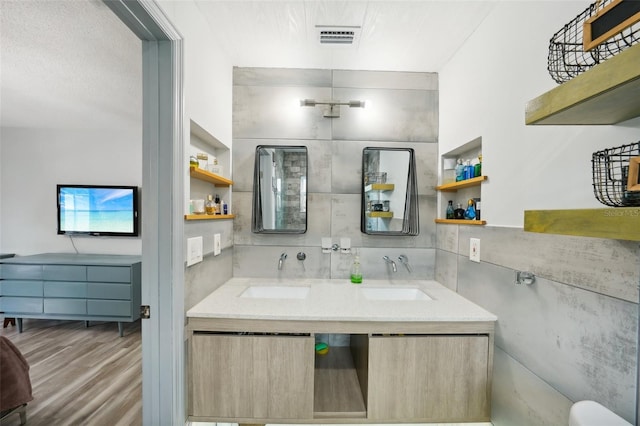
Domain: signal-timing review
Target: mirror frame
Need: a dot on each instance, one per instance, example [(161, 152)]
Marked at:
[(257, 225), (410, 220)]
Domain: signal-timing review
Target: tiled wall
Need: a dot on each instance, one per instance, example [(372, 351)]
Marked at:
[(570, 336), (402, 111)]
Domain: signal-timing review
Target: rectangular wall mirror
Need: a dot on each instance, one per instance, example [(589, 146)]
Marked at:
[(389, 192), (280, 190)]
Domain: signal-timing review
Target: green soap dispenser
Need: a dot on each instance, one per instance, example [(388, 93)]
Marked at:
[(356, 272)]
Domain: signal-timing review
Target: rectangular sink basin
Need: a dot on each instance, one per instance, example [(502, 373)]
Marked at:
[(392, 293), (275, 292)]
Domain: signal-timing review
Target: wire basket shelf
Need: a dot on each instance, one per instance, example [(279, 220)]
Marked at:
[(567, 57), (611, 174)]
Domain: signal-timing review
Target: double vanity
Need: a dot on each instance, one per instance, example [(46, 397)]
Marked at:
[(409, 351)]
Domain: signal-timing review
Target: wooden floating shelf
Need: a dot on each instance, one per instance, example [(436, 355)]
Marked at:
[(621, 223), (461, 222), (467, 183), (208, 216), (206, 176), (608, 93), (379, 187), (383, 215)]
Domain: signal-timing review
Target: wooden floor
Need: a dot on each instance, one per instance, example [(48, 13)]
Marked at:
[(81, 376)]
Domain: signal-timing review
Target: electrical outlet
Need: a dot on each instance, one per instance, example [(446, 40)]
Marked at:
[(194, 250), (216, 244), (474, 249)]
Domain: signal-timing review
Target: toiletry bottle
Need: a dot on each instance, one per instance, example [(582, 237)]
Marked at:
[(450, 213), (478, 207), (356, 272), (210, 207), (217, 201), (225, 208), (458, 213), (459, 170), (468, 170), (470, 212), (478, 167)]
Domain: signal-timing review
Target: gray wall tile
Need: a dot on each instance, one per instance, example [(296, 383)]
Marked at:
[(521, 398), (447, 238), (275, 113), (281, 77), (204, 277), (262, 262), (446, 272), (385, 80), (581, 343), (604, 266), (391, 115)]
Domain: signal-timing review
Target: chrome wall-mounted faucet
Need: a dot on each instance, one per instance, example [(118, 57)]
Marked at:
[(393, 264), (405, 261), (283, 256)]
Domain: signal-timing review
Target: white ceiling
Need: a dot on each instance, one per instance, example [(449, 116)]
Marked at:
[(57, 57)]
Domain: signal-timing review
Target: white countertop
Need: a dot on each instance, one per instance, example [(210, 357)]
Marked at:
[(338, 300)]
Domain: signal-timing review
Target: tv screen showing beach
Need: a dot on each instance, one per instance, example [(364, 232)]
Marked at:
[(96, 210)]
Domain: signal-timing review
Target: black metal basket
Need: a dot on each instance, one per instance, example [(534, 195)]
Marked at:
[(567, 57), (611, 174)]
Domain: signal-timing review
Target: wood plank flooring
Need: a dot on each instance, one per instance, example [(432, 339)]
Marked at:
[(81, 376)]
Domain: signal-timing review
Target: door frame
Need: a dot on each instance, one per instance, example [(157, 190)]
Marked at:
[(163, 396)]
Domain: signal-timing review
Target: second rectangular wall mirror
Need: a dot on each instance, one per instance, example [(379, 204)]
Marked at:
[(389, 192), (280, 190)]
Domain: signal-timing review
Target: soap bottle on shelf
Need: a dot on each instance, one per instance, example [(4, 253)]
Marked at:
[(478, 167), (450, 214), (356, 271), (470, 212), (210, 207)]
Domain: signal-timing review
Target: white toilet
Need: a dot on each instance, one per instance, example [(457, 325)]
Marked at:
[(590, 413)]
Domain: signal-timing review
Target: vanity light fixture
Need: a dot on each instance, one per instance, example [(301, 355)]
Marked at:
[(332, 109)]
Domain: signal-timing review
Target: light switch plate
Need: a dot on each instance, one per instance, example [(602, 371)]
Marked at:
[(194, 250), (474, 249), (216, 244)]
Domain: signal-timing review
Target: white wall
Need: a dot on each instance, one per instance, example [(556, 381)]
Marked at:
[(483, 92), (35, 160)]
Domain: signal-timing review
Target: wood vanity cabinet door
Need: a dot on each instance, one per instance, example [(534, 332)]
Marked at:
[(261, 377), (434, 378)]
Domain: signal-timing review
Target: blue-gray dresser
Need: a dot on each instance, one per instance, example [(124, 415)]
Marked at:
[(87, 287)]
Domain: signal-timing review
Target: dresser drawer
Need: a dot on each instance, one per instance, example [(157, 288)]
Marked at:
[(21, 305), (20, 288), (65, 289), (111, 308), (65, 306), (64, 272), (109, 291), (111, 274), (21, 272)]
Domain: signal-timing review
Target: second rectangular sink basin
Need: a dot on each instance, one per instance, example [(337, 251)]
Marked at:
[(394, 293), (275, 292)]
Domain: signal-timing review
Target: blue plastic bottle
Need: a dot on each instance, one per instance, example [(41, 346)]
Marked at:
[(470, 212)]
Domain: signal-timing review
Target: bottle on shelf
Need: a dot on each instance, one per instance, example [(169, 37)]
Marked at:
[(470, 212), (450, 214), (459, 170), (477, 203), (210, 207), (478, 167), (458, 213), (217, 203), (468, 170)]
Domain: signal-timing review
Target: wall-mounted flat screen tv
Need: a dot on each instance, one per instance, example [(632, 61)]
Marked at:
[(100, 210)]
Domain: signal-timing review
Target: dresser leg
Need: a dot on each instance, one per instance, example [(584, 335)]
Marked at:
[(120, 329), (19, 325), (86, 324)]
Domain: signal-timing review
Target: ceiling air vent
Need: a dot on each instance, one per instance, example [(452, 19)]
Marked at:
[(340, 35)]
